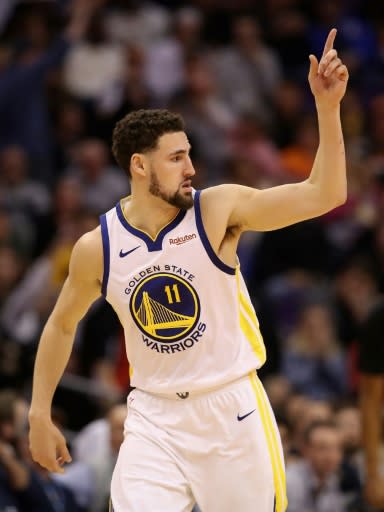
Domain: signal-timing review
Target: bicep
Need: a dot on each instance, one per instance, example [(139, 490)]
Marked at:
[(276, 207), (73, 302)]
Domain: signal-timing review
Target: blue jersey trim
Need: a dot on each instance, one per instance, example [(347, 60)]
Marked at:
[(106, 253), (152, 245), (207, 245)]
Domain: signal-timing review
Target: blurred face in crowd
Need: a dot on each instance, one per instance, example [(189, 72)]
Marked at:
[(68, 199), (10, 269), (246, 33), (13, 165), (310, 412), (323, 451), (348, 421), (316, 327), (92, 158)]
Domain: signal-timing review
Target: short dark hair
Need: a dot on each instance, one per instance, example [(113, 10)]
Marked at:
[(317, 425), (140, 130)]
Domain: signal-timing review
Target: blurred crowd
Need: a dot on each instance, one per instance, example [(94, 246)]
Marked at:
[(237, 72)]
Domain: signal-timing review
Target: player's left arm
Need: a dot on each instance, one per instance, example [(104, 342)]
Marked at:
[(326, 188)]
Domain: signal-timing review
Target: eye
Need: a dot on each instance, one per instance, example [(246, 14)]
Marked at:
[(176, 158)]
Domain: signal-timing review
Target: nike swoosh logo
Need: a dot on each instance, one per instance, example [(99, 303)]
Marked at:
[(241, 418), (124, 254)]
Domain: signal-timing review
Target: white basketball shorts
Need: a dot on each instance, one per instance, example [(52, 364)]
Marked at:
[(220, 449)]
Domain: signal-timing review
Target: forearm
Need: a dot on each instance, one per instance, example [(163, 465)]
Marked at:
[(52, 357), (370, 406), (328, 174)]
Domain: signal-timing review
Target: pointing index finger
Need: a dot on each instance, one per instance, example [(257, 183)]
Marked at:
[(329, 42)]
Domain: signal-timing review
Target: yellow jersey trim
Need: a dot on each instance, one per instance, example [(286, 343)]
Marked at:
[(273, 446), (249, 323), (142, 230)]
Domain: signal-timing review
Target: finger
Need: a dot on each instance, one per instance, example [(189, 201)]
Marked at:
[(329, 42), (334, 64), (342, 73), (313, 67), (324, 61), (63, 453)]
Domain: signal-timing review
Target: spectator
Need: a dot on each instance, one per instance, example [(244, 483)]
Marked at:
[(25, 119), (94, 65), (101, 184), (40, 491), (13, 474), (348, 421), (165, 59), (248, 71), (209, 119), (103, 467), (316, 482), (313, 360), (298, 157)]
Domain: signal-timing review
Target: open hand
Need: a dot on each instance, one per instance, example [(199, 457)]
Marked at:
[(328, 78)]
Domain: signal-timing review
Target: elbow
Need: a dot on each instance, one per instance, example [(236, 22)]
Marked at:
[(330, 204), (340, 199)]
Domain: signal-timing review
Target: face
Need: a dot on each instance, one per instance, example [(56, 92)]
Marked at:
[(349, 423), (324, 451), (171, 170)]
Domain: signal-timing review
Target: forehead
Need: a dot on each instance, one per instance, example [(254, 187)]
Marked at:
[(324, 435), (174, 141)]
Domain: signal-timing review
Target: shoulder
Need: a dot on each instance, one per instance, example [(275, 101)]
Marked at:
[(216, 204), (87, 255), (225, 199), (90, 243), (218, 196)]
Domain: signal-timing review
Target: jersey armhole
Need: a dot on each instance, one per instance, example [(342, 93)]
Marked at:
[(106, 253), (204, 238)]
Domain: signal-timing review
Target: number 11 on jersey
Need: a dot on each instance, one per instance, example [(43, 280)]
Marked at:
[(176, 296)]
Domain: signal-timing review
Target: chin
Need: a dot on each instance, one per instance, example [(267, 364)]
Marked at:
[(182, 201)]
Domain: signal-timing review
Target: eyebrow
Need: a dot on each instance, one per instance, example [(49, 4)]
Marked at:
[(180, 151)]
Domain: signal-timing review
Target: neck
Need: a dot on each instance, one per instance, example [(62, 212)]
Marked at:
[(150, 214)]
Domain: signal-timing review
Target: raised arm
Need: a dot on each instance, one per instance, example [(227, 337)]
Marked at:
[(80, 290), (263, 210)]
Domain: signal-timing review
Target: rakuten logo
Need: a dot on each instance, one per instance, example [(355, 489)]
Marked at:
[(182, 239)]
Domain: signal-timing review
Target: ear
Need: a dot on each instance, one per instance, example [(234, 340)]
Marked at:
[(137, 164)]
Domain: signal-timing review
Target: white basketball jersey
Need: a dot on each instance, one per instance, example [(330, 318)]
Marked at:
[(188, 320)]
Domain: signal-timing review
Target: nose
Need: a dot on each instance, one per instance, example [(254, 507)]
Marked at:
[(189, 169)]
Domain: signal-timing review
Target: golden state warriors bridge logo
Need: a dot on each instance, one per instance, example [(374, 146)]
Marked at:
[(165, 307)]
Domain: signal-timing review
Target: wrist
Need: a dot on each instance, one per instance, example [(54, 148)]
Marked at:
[(39, 414), (327, 109)]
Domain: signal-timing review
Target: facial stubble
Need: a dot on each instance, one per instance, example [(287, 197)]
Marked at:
[(184, 202)]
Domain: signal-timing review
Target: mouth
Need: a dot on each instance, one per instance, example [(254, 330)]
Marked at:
[(186, 186)]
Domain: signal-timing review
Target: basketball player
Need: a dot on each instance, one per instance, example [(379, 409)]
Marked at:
[(199, 425)]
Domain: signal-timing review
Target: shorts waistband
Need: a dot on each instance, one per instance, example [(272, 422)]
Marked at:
[(190, 395)]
